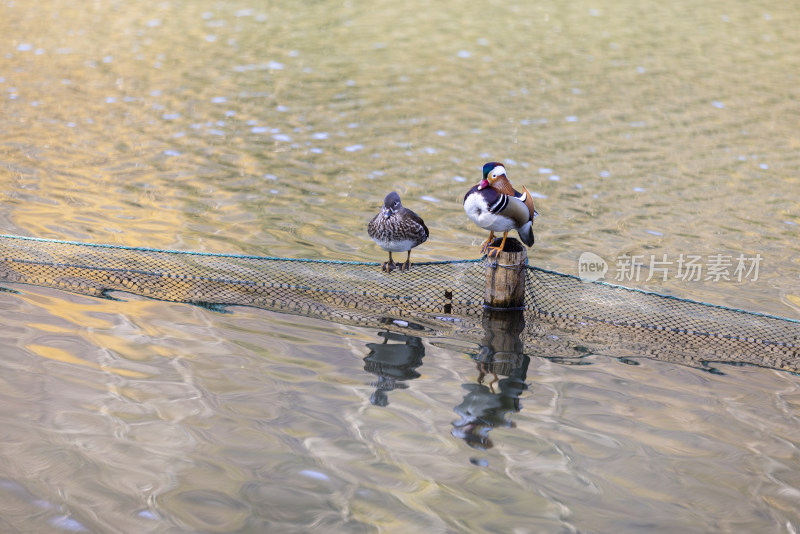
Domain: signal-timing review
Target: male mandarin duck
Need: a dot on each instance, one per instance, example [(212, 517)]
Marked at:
[(496, 206), (397, 229)]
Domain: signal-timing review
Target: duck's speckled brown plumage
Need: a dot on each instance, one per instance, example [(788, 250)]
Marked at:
[(397, 229)]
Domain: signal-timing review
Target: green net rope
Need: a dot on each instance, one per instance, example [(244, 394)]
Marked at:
[(564, 318)]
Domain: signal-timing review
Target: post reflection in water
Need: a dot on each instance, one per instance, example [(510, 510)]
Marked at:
[(393, 363), (501, 358)]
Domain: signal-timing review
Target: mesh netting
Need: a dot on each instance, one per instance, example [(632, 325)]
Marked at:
[(564, 318)]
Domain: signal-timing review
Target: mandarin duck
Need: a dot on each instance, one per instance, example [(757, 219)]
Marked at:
[(397, 229), (496, 206)]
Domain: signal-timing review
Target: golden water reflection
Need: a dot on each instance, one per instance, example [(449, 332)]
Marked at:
[(649, 129)]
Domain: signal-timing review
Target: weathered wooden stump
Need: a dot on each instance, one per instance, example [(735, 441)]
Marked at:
[(505, 276)]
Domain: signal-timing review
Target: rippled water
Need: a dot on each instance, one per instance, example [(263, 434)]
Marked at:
[(656, 130)]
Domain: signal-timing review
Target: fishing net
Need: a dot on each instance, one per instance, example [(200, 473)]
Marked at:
[(564, 318)]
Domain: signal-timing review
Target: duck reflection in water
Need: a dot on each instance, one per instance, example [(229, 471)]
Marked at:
[(393, 363), (501, 355)]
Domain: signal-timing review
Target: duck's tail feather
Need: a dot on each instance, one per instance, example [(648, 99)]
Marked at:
[(526, 233)]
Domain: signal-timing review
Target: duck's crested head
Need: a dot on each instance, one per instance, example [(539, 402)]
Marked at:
[(492, 171)]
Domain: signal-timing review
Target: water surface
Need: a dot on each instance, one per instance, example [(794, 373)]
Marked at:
[(644, 129)]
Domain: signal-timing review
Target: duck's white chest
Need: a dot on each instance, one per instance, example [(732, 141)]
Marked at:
[(395, 245), (478, 212)]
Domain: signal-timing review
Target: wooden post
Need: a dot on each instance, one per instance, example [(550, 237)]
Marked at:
[(505, 277)]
